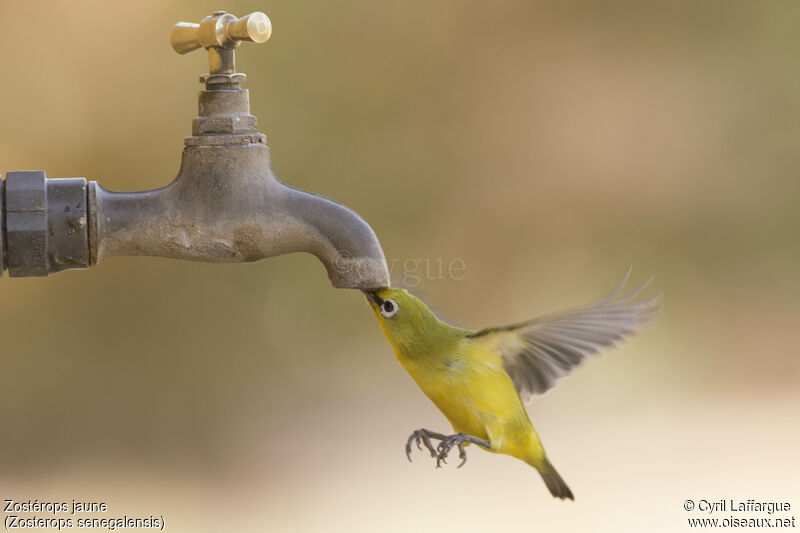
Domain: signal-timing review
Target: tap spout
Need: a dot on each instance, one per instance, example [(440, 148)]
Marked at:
[(339, 237), (226, 205)]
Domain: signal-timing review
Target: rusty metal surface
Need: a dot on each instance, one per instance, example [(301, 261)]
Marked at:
[(225, 205)]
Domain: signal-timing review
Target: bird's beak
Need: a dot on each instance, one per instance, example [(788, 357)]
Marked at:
[(373, 298)]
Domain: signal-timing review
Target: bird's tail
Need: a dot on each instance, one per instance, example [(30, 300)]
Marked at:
[(558, 487)]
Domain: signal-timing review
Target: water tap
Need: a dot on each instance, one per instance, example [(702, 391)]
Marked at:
[(225, 205)]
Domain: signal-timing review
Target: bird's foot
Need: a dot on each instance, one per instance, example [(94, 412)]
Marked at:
[(423, 436), (459, 439), (448, 442)]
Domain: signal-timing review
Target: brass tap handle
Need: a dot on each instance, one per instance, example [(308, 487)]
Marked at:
[(220, 33)]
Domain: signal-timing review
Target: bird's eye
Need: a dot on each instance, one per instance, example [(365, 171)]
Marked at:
[(389, 308)]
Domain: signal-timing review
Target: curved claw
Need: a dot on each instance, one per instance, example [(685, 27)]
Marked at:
[(420, 437), (462, 454), (441, 458), (446, 445)]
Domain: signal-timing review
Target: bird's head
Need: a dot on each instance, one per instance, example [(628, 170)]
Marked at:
[(405, 319)]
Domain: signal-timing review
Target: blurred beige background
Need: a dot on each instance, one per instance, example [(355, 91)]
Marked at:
[(547, 147)]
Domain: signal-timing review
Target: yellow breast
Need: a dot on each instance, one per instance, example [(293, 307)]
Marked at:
[(472, 390)]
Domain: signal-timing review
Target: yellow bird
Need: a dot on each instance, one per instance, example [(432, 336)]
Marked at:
[(479, 380)]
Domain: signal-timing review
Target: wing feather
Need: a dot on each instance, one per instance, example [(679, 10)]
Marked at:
[(538, 353)]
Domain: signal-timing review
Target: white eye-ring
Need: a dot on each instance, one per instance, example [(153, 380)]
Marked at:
[(389, 308)]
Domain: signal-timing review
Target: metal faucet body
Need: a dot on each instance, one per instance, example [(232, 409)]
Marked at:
[(225, 205)]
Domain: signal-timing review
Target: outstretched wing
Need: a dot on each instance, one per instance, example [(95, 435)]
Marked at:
[(537, 353)]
